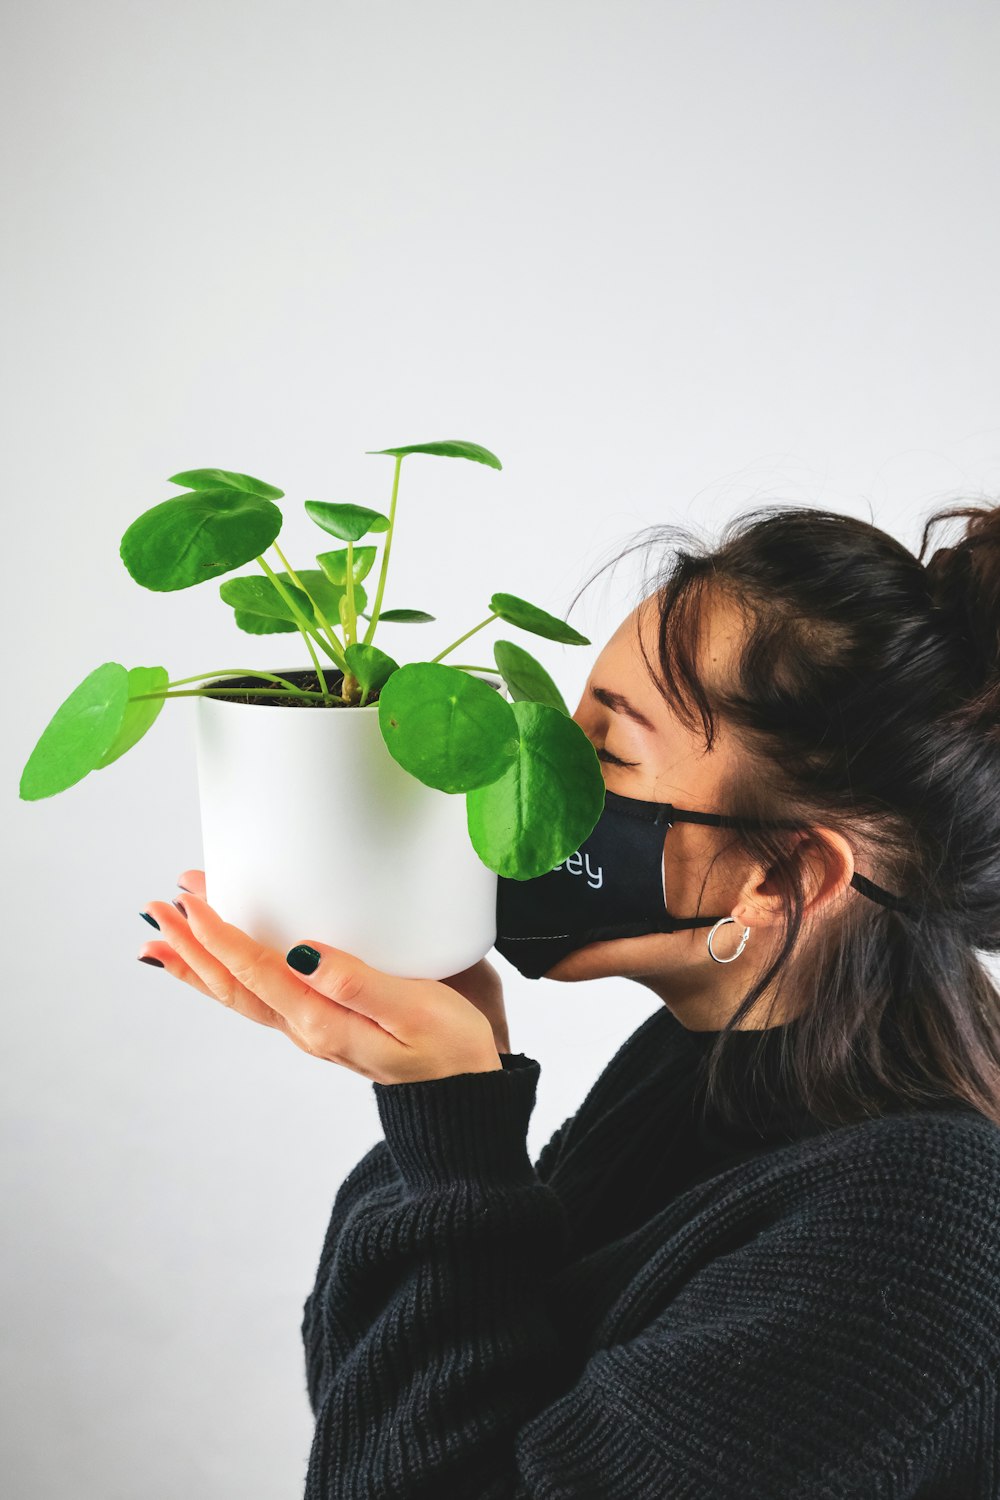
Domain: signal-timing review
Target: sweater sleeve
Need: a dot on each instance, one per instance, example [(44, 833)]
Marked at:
[(440, 1341), (374, 1176), (818, 1352), (366, 1178)]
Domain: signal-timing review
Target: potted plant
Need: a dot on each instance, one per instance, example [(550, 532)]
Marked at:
[(346, 823)]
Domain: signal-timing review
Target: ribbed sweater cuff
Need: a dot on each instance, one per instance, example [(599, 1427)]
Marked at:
[(470, 1127)]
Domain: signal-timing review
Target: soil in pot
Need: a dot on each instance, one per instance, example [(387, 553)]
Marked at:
[(301, 677)]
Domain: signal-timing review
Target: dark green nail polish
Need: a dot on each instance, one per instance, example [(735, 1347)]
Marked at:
[(303, 958), (151, 920)]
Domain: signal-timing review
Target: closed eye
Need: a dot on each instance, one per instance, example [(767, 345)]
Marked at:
[(612, 760)]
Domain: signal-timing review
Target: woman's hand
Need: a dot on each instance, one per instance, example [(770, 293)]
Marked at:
[(387, 1028), (483, 986)]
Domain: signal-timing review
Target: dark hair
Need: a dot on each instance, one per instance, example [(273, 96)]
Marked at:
[(867, 701)]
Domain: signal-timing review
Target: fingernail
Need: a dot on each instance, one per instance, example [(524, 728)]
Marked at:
[(184, 888), (147, 960), (303, 958), (180, 907), (151, 920)]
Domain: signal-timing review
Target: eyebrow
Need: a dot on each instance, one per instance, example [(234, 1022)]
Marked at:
[(620, 704)]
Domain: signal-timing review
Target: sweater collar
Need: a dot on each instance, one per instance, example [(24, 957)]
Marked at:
[(755, 1078)]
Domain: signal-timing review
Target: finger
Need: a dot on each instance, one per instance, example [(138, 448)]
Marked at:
[(395, 1004), (175, 965), (219, 981), (334, 1018), (193, 881)]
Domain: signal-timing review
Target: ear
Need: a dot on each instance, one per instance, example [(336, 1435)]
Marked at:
[(828, 866)]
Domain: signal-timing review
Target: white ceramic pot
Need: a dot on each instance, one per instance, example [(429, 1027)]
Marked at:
[(310, 829)]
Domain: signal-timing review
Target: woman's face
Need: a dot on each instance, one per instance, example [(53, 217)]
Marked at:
[(665, 762)]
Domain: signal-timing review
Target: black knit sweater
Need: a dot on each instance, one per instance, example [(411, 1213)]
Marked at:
[(664, 1305)]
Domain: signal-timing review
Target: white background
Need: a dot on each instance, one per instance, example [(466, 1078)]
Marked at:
[(667, 260)]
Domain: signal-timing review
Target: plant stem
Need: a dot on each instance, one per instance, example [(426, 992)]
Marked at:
[(338, 649), (351, 610), (385, 552), (465, 637), (238, 672), (304, 625)]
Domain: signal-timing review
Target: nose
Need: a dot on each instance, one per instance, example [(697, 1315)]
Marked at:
[(581, 715)]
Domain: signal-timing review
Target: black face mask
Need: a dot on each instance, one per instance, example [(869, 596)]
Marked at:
[(614, 886)]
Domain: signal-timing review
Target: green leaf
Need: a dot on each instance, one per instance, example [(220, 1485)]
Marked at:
[(402, 616), (260, 624), (350, 522), (545, 805), (260, 609), (526, 677), (334, 564), (138, 716), (210, 479), (369, 665), (76, 738), (448, 729), (529, 617), (193, 537), (258, 600), (448, 449), (326, 594)]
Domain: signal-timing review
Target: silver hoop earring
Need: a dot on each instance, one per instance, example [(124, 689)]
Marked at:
[(743, 940)]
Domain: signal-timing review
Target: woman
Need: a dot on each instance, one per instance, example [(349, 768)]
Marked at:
[(762, 1259)]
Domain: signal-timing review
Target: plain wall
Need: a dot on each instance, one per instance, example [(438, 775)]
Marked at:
[(667, 260)]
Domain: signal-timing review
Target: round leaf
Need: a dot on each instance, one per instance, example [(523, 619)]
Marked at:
[(260, 609), (450, 730), (448, 449), (82, 729), (526, 677), (334, 564), (138, 716), (210, 479), (369, 665), (529, 617), (197, 536), (256, 598), (350, 522), (254, 624), (402, 616), (548, 802), (326, 594)]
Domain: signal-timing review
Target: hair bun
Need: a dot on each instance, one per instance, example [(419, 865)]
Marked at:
[(964, 585)]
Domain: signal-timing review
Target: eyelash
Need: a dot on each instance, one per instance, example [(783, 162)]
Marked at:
[(612, 760)]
